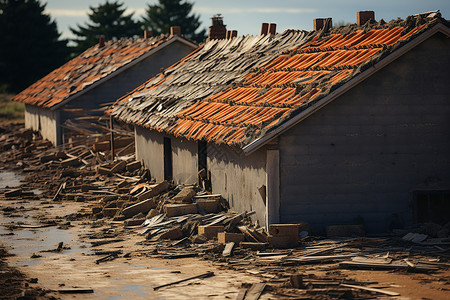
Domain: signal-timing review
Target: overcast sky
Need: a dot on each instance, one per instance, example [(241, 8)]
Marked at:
[(246, 16)]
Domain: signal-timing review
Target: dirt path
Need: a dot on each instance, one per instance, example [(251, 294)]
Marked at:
[(126, 278)]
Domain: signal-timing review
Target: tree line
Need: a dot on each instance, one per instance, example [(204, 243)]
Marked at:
[(31, 45)]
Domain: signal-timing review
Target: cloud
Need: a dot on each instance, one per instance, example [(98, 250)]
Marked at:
[(56, 12), (268, 10)]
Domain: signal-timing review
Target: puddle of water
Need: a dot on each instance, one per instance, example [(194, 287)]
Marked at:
[(133, 290), (26, 241), (9, 179)]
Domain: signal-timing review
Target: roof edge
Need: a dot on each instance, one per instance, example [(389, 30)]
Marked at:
[(259, 142), (124, 68)]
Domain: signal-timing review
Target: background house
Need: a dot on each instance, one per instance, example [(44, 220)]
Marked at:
[(98, 76), (342, 125)]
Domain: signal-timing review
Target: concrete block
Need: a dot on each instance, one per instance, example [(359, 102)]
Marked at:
[(345, 230), (173, 210), (283, 241), (185, 195), (210, 232), (143, 207), (283, 230), (227, 237), (172, 234), (209, 205)]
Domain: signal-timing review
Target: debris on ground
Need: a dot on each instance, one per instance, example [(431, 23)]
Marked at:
[(179, 221)]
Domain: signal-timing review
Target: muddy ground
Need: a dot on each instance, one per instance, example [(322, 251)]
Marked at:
[(56, 252)]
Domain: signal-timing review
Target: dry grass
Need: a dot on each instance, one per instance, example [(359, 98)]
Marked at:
[(10, 112)]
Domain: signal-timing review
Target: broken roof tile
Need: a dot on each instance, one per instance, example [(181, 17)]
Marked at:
[(86, 69), (234, 91)]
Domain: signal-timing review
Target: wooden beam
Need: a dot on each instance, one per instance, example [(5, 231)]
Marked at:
[(273, 187)]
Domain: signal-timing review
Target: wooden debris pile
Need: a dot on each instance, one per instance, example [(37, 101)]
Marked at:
[(72, 171)]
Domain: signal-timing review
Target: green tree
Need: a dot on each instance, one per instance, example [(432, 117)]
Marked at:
[(107, 20), (166, 13), (30, 46)]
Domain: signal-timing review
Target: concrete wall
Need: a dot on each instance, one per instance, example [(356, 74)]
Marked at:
[(150, 150), (184, 161), (43, 120), (238, 177), (364, 153)]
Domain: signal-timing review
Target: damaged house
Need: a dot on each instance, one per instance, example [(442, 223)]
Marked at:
[(98, 76), (333, 126)]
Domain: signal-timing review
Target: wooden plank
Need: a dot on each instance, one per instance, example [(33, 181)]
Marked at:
[(76, 291), (371, 289), (393, 265), (241, 294), (228, 248), (255, 291), (204, 275)]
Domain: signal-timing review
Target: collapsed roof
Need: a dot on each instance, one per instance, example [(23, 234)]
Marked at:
[(238, 90), (91, 67)]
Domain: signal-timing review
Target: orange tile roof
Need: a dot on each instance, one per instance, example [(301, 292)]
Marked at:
[(265, 97), (86, 69), (203, 73)]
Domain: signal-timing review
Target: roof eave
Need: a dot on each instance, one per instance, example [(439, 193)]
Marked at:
[(259, 142), (126, 67)]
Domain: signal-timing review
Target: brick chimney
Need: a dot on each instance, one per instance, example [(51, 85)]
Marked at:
[(319, 24), (101, 42), (363, 16), (148, 34), (272, 28), (217, 30), (264, 28), (231, 34), (175, 30)]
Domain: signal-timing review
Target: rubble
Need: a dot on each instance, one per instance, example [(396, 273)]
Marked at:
[(185, 221)]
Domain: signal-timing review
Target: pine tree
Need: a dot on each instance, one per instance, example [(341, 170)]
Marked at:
[(30, 46), (107, 20), (166, 13)]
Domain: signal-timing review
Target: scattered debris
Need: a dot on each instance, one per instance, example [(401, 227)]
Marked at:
[(76, 291), (185, 221), (201, 276)]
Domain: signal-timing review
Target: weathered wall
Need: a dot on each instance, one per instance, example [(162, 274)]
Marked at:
[(237, 178), (43, 120), (184, 161), (150, 150), (364, 153)]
